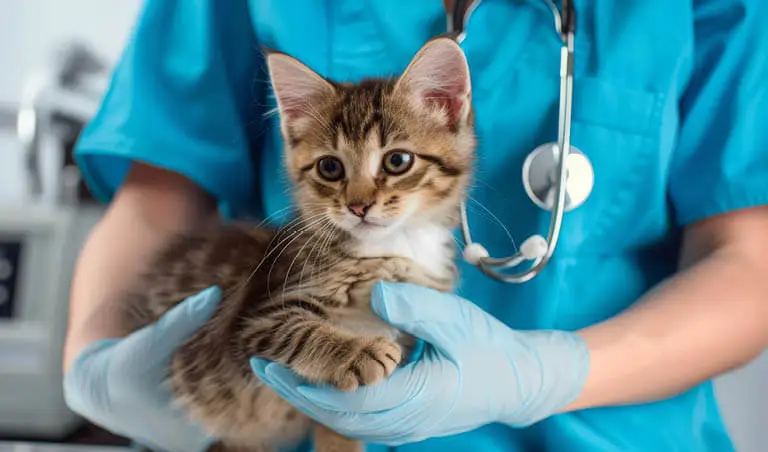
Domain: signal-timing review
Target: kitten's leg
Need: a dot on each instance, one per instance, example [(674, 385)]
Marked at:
[(326, 440), (220, 446), (395, 270), (401, 269), (298, 333)]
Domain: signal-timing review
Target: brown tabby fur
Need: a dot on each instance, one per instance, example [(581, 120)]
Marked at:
[(300, 295)]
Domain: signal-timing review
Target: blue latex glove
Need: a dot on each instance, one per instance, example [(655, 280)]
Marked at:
[(474, 371), (121, 384)]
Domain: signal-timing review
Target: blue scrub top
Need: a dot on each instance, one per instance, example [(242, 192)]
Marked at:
[(670, 105)]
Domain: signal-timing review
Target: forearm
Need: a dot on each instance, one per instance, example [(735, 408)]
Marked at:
[(150, 207), (709, 319)]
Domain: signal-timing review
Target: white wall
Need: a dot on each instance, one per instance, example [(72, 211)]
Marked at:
[(743, 396), (29, 31)]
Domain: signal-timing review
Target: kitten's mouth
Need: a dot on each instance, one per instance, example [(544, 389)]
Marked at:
[(366, 224), (370, 225)]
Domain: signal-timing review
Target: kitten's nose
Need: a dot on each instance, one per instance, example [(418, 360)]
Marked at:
[(359, 209)]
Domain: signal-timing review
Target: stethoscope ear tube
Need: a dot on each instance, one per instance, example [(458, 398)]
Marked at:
[(458, 15), (536, 248)]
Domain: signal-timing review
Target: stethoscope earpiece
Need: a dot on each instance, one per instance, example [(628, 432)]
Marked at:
[(474, 253), (534, 247)]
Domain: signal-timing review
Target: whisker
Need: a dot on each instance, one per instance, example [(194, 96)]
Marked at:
[(266, 219), (269, 249), (299, 253), (296, 236), (326, 231), (279, 211), (495, 218)]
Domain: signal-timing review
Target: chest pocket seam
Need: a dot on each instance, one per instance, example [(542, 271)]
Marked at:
[(619, 129), (624, 105), (616, 115)]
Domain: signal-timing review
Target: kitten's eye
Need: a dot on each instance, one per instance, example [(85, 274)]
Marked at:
[(330, 168), (397, 162)]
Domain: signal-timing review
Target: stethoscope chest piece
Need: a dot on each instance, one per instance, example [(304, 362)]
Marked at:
[(540, 175)]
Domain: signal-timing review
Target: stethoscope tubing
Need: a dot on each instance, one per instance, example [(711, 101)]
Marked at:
[(565, 26)]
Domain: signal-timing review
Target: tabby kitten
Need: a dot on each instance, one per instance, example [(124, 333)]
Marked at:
[(378, 170)]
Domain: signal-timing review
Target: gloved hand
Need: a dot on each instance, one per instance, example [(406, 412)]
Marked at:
[(474, 371), (121, 384)]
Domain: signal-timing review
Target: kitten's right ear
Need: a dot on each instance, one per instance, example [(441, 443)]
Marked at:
[(296, 86), (437, 80)]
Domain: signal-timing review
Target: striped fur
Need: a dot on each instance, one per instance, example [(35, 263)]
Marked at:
[(299, 295)]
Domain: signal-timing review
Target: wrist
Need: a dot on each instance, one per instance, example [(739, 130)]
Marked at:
[(615, 355), (551, 368)]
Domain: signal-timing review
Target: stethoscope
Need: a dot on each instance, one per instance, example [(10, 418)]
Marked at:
[(548, 181)]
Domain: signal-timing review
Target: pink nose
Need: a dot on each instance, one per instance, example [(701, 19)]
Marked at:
[(359, 209)]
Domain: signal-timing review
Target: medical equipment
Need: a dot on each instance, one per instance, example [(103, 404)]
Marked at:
[(56, 103), (6, 446), (39, 243), (557, 177), (38, 248)]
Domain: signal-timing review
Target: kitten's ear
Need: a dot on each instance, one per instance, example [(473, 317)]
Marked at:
[(437, 79), (296, 86)]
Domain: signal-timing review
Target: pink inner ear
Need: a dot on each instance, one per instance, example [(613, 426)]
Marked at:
[(296, 87), (439, 79), (294, 107), (451, 102)]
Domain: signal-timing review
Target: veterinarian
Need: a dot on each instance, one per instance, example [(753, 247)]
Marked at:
[(658, 283)]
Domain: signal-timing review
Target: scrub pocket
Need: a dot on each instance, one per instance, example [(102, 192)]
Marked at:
[(612, 239), (619, 129)]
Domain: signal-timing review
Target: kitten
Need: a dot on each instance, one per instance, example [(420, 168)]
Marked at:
[(378, 170)]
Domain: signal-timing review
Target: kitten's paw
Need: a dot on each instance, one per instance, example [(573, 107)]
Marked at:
[(374, 361)]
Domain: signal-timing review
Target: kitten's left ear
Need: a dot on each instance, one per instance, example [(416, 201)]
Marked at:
[(437, 81), (296, 86)]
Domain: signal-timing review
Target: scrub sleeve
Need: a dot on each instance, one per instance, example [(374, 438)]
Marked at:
[(187, 96), (721, 161)]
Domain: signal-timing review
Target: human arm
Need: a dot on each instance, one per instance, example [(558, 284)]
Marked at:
[(151, 206), (113, 381), (156, 153), (710, 318), (713, 315), (170, 144)]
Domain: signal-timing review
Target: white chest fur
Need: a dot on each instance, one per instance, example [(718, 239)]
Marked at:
[(428, 246)]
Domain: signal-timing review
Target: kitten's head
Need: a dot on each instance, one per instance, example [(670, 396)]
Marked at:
[(380, 155)]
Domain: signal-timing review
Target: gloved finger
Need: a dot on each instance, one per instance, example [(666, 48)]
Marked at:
[(259, 365), (397, 392), (160, 340), (392, 427), (406, 423), (436, 317), (293, 388), (84, 392), (285, 383), (278, 377)]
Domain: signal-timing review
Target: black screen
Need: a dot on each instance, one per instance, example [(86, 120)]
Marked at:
[(10, 266)]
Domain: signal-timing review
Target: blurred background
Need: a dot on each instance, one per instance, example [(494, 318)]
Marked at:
[(55, 59)]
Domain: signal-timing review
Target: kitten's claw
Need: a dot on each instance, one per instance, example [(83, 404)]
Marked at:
[(374, 361)]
